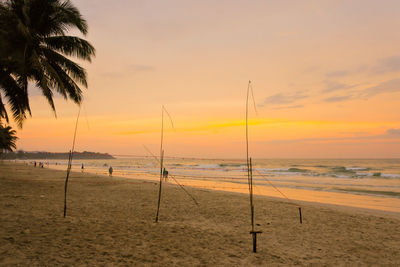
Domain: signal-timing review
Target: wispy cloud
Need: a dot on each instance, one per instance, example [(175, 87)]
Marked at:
[(140, 68), (338, 98), (128, 70), (289, 107), (338, 73), (332, 86), (381, 66), (390, 134), (390, 86), (393, 132), (282, 99), (206, 127), (210, 126), (387, 65), (355, 133)]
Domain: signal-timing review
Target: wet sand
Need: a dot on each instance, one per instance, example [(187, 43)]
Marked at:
[(110, 221)]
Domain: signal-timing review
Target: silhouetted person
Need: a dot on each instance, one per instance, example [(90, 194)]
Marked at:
[(82, 167), (34, 163), (110, 171)]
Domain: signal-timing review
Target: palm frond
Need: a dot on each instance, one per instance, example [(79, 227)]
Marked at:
[(47, 93), (7, 138), (71, 46), (3, 111), (68, 85), (16, 96), (71, 68), (69, 15)]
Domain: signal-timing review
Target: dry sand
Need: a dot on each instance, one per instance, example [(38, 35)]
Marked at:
[(110, 221)]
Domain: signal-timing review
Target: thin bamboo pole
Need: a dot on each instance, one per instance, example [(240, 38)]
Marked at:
[(162, 130), (251, 197), (70, 163), (66, 183), (161, 162), (247, 136), (250, 170), (163, 109)]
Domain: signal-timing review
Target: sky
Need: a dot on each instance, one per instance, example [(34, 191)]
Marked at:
[(325, 75)]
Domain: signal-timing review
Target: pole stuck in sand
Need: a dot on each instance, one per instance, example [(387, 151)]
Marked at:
[(301, 217), (71, 152), (163, 109), (253, 232), (160, 188)]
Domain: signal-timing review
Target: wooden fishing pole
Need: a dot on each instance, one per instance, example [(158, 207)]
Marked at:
[(66, 183), (163, 109), (250, 170), (251, 196), (71, 152)]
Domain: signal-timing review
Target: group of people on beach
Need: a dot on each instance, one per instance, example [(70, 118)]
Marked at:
[(40, 164), (165, 174), (110, 170)]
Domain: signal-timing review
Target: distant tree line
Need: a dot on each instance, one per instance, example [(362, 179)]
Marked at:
[(49, 155)]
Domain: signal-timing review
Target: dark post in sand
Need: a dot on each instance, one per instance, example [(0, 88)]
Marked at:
[(159, 190)]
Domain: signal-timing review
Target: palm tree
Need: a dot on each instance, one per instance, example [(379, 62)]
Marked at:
[(34, 48), (7, 139)]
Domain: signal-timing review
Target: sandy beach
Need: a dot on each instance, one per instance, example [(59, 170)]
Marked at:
[(110, 221)]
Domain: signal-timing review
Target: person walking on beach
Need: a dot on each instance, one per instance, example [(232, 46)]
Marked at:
[(110, 171), (165, 174), (82, 167)]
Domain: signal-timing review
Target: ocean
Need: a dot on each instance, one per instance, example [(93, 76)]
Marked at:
[(362, 183)]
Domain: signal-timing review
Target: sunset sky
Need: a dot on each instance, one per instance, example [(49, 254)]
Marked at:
[(325, 74)]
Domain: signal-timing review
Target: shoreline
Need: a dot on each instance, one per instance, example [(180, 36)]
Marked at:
[(384, 203), (111, 220)]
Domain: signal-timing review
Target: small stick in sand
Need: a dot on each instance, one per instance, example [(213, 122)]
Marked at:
[(301, 218)]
